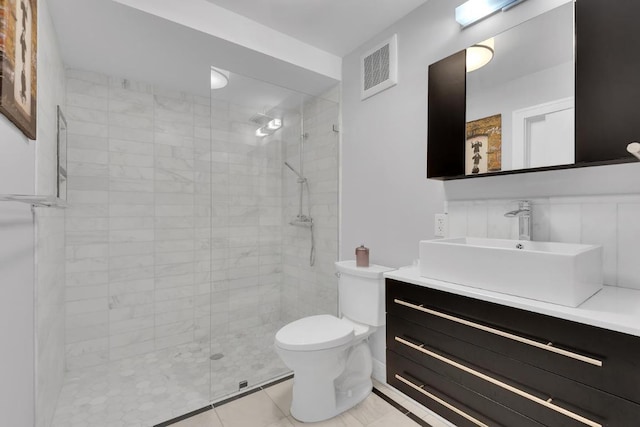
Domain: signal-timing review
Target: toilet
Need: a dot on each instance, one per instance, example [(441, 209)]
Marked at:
[(330, 356)]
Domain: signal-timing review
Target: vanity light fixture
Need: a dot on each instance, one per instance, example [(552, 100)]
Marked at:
[(260, 132), (473, 11), (480, 54), (219, 78)]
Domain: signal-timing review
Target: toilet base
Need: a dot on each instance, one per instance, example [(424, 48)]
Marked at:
[(357, 395), (321, 393), (343, 403)]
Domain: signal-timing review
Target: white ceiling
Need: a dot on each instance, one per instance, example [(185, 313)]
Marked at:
[(335, 26), (110, 38), (173, 43)]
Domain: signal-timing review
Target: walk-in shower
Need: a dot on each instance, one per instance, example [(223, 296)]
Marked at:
[(278, 150), (188, 242)]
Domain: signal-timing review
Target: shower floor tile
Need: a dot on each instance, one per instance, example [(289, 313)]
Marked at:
[(152, 388)]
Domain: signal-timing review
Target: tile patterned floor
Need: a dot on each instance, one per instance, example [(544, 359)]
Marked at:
[(159, 386), (270, 408), (152, 388)]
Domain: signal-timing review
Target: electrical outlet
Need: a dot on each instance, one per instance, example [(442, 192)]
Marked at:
[(440, 225)]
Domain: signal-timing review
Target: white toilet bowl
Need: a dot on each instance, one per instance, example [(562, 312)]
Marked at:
[(329, 356), (331, 361)]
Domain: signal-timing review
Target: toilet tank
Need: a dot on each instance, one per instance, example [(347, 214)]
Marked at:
[(361, 292)]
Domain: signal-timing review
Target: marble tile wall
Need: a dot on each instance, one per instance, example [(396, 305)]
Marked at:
[(310, 290), (177, 226), (609, 220), (246, 218), (138, 225)]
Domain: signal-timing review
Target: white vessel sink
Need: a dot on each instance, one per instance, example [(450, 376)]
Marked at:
[(560, 273)]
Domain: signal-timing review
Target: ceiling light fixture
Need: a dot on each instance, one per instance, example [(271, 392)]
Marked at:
[(473, 11), (480, 54), (219, 78)]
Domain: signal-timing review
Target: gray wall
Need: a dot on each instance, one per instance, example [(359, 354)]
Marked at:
[(387, 203), (49, 228), (31, 312)]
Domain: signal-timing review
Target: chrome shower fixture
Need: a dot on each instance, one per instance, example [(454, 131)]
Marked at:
[(268, 129), (301, 179), (302, 220)]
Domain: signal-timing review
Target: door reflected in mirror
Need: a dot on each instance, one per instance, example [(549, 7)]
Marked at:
[(520, 105)]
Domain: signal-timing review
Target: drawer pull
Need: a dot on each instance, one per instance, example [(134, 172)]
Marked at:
[(442, 402), (505, 386), (548, 347)]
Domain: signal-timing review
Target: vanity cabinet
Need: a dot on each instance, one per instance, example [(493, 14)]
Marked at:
[(478, 363), (607, 85)]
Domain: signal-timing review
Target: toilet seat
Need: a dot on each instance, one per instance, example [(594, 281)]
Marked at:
[(311, 333)]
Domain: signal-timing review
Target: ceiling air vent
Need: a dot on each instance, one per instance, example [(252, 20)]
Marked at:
[(379, 68)]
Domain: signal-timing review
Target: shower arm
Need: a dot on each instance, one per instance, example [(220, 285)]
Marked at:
[(301, 179)]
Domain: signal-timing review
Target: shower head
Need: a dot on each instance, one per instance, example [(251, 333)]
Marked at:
[(260, 119)]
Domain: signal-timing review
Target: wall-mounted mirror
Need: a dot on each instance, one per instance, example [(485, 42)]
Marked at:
[(520, 105), (537, 105)]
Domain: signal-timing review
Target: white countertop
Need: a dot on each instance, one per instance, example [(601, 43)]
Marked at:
[(612, 308)]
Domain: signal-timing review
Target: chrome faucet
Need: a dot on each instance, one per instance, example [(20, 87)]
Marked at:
[(524, 219)]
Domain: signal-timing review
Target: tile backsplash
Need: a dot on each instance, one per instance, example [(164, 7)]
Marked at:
[(612, 221)]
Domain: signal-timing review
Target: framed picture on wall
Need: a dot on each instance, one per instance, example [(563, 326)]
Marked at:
[(18, 51), (483, 149)]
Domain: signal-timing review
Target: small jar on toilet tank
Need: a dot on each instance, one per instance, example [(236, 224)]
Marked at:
[(362, 256)]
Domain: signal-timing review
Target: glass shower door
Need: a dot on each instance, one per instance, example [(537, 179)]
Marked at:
[(255, 128)]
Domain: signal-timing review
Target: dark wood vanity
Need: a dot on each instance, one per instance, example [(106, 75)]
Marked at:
[(478, 363), (482, 363), (607, 94)]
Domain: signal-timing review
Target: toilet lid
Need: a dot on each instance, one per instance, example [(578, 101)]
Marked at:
[(314, 333)]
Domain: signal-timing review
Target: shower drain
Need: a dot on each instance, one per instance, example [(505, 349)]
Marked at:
[(216, 356)]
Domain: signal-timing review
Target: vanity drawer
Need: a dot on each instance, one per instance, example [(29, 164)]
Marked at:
[(601, 358), (522, 387), (445, 397)]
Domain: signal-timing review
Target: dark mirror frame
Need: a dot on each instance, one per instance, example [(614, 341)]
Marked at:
[(607, 94)]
